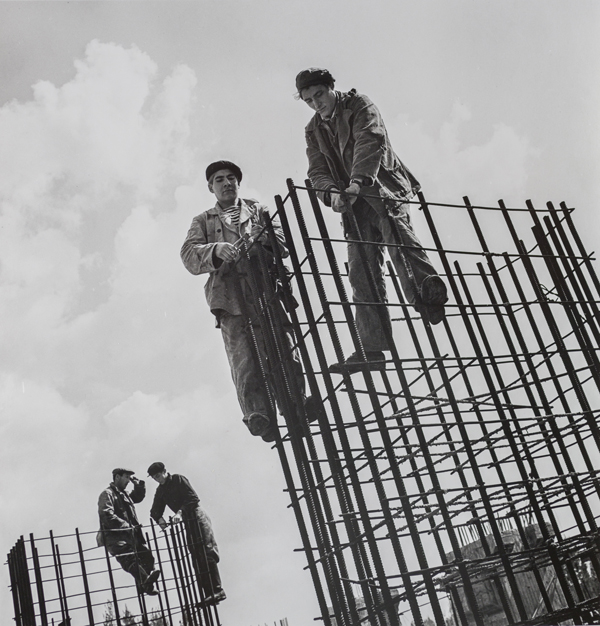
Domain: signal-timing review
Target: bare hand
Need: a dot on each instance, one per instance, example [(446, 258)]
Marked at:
[(339, 203), (226, 252), (163, 525), (352, 191), (176, 518)]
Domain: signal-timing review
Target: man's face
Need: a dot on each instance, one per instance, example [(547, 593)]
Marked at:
[(225, 186), (122, 480), (160, 477), (321, 99)]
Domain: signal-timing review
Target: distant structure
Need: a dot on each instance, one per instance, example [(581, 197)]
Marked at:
[(460, 485)]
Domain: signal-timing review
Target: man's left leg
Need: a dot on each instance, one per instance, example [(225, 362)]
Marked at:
[(138, 561), (146, 560), (421, 284), (290, 363)]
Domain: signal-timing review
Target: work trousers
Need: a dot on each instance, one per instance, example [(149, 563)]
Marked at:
[(203, 549), (251, 386), (135, 558), (411, 263)]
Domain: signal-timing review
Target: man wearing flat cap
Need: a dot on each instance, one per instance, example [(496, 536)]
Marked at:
[(214, 246), (176, 492), (121, 532), (349, 151)]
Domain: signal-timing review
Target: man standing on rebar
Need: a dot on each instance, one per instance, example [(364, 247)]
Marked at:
[(351, 161), (121, 532), (214, 246), (176, 492)]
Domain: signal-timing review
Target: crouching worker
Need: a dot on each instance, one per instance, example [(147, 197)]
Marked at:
[(212, 247), (176, 492), (121, 532)]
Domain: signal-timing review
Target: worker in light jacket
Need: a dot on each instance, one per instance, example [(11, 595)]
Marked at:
[(349, 151)]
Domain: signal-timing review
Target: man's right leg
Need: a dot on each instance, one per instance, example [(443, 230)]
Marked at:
[(246, 374), (205, 554)]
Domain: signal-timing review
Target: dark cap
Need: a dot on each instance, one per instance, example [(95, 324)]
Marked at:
[(313, 76), (121, 470), (223, 165), (156, 468)]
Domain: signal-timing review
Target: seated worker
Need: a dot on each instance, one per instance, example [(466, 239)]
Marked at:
[(347, 145), (176, 492), (121, 532), (212, 247)]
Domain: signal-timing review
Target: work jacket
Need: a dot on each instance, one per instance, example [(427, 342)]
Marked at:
[(360, 148), (118, 519), (178, 494), (198, 254)]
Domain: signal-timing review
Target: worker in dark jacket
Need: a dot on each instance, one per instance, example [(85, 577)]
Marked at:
[(213, 247), (121, 532), (348, 147), (176, 492)]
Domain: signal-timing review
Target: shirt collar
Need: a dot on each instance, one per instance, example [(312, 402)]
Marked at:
[(245, 211), (222, 210)]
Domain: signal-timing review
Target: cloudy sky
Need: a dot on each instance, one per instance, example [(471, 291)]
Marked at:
[(109, 113)]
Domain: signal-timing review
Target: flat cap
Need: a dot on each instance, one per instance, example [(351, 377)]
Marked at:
[(121, 470), (223, 165), (313, 76), (156, 468)]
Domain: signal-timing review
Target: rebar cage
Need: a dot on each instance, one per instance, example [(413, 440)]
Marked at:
[(459, 485)]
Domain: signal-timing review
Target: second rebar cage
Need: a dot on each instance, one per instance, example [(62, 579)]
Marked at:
[(460, 485)]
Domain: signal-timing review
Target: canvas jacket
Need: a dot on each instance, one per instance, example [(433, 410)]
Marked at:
[(360, 148), (117, 514), (198, 254), (177, 493)]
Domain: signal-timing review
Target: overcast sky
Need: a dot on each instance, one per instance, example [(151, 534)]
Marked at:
[(110, 112)]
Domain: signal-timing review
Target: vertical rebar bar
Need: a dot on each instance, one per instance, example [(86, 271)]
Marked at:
[(86, 587), (39, 582)]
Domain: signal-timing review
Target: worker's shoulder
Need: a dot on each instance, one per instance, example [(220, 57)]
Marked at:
[(107, 493), (354, 100), (203, 217)]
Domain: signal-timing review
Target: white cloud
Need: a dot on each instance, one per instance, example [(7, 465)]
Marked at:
[(449, 168), (77, 160), (91, 286)]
